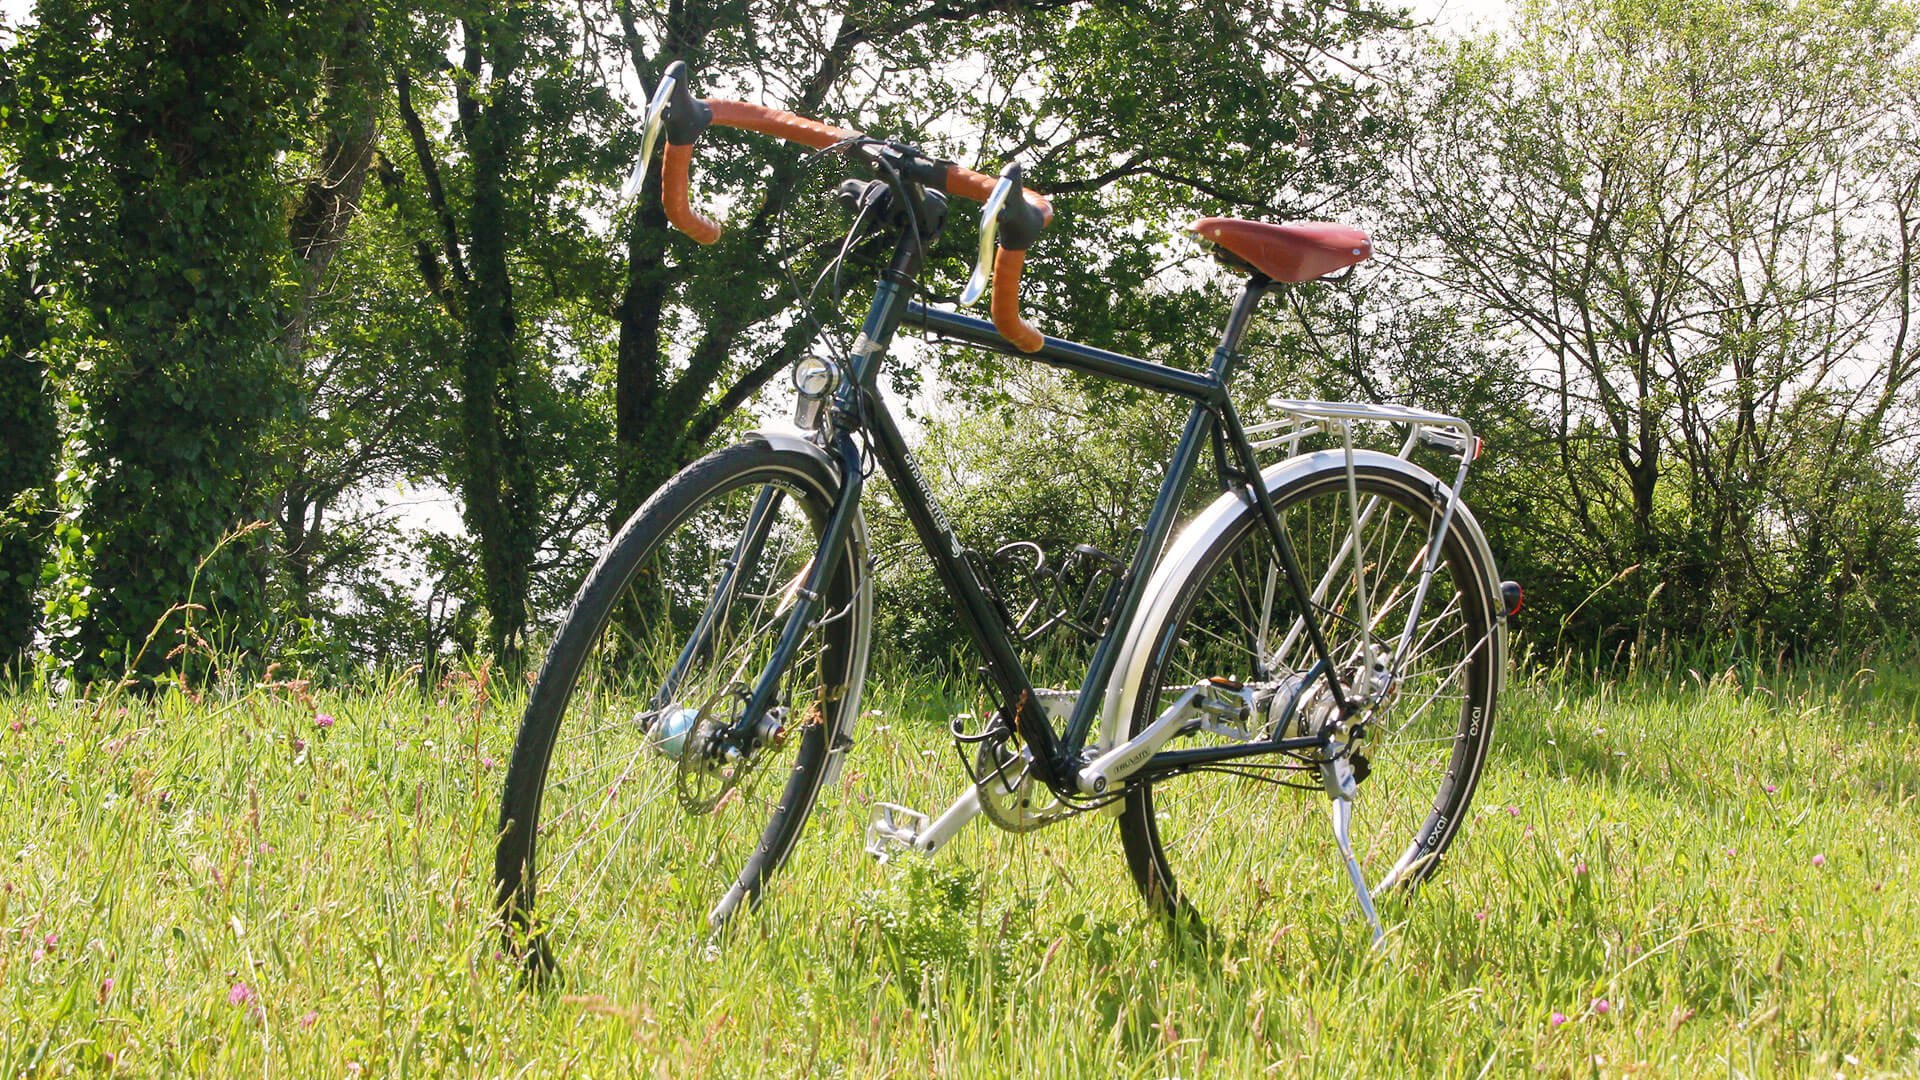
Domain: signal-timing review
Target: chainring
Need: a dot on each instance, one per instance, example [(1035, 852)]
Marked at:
[(1010, 796)]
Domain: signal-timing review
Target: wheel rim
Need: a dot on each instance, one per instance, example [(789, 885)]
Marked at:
[(1227, 845), (617, 837)]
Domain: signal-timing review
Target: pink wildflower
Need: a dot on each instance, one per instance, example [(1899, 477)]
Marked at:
[(323, 720), (1819, 860), (308, 1019), (39, 955), (1602, 1006), (1557, 1019), (1769, 788), (1513, 811), (240, 994), (488, 762), (1580, 869)]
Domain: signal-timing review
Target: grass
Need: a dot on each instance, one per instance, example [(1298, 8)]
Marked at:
[(230, 887)]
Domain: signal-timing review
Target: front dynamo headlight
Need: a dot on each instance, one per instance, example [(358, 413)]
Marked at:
[(816, 379)]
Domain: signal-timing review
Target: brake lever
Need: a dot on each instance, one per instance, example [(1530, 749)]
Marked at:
[(989, 236), (655, 122)]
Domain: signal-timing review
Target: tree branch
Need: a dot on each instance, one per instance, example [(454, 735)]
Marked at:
[(430, 177)]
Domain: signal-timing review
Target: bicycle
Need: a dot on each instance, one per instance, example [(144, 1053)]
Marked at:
[(1332, 621)]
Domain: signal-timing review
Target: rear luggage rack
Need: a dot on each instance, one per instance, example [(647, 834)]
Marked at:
[(1303, 419)]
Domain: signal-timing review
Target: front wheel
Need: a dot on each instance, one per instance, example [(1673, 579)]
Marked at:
[(1216, 844), (618, 805)]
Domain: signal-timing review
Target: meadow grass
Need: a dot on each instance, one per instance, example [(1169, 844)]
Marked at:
[(273, 884)]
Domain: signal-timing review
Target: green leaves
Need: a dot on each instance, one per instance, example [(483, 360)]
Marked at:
[(159, 213), (1669, 206)]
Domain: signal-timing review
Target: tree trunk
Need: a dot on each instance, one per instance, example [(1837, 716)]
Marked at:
[(324, 213), (496, 482), (28, 442)]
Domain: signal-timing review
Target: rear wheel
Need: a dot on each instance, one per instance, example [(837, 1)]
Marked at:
[(1215, 844), (619, 802)]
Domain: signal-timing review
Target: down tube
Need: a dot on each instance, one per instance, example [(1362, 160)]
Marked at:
[(977, 613)]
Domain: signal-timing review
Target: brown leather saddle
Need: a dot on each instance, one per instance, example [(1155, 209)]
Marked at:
[(1297, 252)]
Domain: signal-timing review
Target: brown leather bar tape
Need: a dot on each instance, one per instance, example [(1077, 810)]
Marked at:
[(780, 125), (1006, 301), (673, 197), (977, 186)]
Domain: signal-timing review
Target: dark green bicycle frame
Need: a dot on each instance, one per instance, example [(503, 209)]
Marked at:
[(858, 407)]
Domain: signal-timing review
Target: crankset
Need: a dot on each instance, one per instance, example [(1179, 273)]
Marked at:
[(1010, 795)]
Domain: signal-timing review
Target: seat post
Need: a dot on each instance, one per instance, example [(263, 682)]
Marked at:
[(1237, 322)]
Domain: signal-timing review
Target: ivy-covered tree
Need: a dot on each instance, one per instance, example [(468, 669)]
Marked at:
[(29, 438), (151, 132)]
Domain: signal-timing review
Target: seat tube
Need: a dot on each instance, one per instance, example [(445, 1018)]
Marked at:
[(1236, 437), (1202, 423)]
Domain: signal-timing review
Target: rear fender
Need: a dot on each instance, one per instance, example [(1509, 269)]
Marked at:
[(1183, 556)]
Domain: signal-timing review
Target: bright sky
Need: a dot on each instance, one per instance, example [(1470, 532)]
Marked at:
[(1454, 16)]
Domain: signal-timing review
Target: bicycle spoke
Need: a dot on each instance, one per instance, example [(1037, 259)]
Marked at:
[(628, 823), (1365, 551)]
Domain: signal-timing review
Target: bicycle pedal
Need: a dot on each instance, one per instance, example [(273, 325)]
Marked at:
[(894, 828)]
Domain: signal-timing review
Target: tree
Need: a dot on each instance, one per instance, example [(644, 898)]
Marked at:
[(28, 436), (151, 133), (503, 247), (1696, 215), (323, 215), (1099, 101), (1135, 117)]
